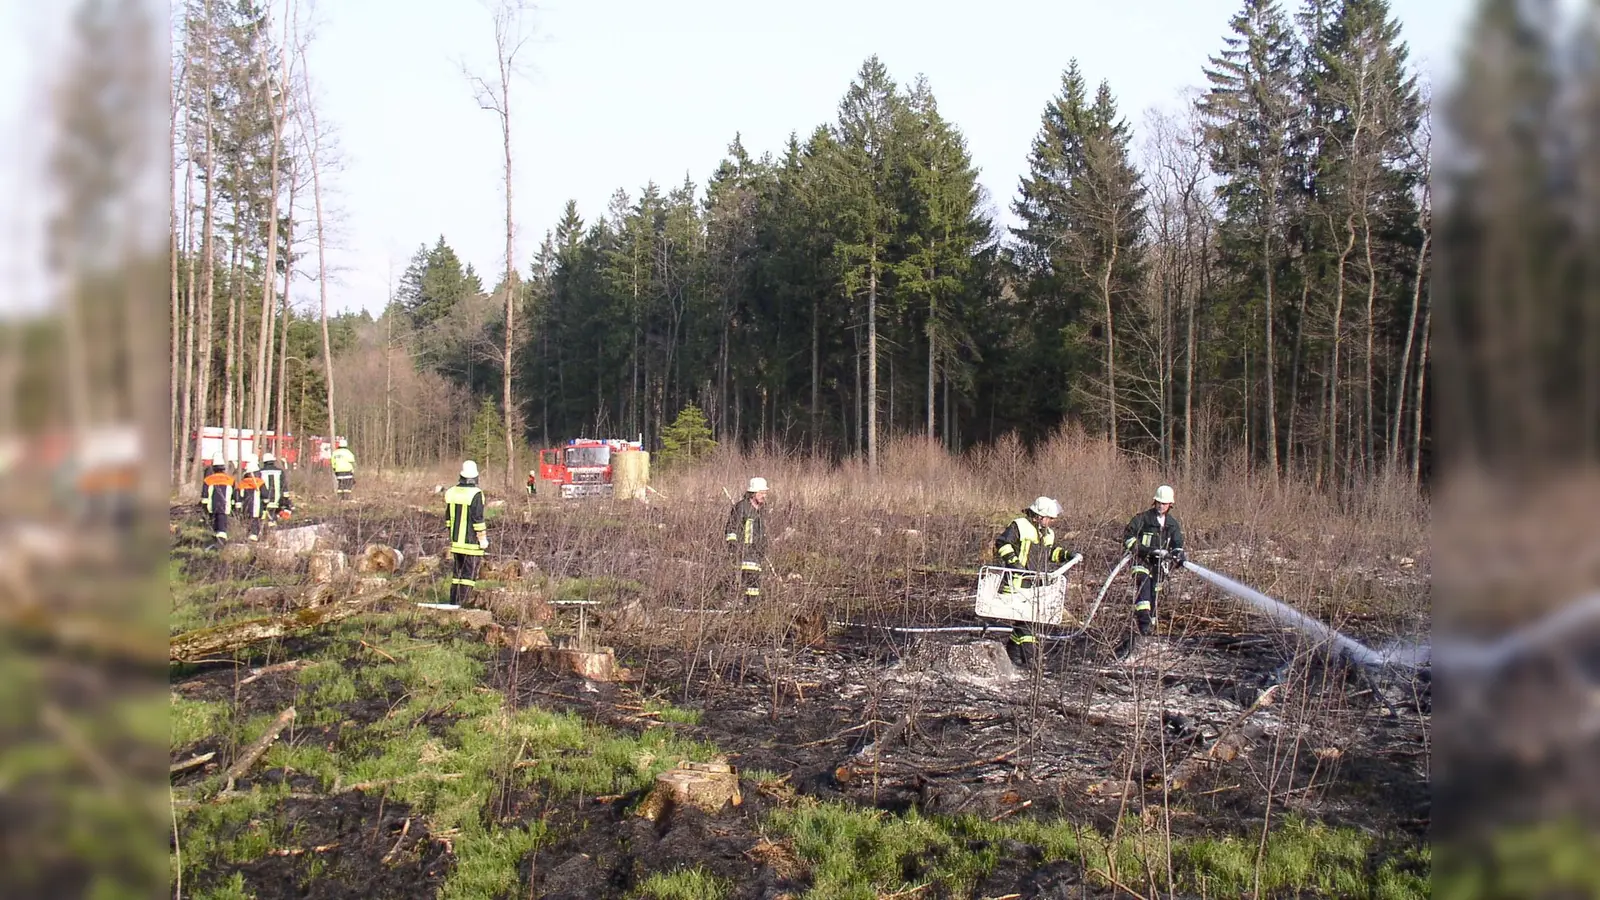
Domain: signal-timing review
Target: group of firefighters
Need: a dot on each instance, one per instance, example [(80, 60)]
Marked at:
[(1027, 547), (260, 495)]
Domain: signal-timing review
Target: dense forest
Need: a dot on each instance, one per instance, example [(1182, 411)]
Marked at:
[(1247, 277)]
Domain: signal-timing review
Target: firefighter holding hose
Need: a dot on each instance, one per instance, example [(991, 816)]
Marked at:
[(1154, 540)]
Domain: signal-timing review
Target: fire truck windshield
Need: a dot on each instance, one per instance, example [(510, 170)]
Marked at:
[(588, 456)]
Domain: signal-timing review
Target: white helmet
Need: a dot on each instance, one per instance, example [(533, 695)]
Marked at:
[(268, 457), (250, 464), (469, 469), (1164, 494), (1046, 507), (756, 485)]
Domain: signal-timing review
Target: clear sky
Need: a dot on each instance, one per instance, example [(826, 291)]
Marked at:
[(622, 92), (625, 91)]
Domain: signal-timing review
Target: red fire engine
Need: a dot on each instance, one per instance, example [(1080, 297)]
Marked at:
[(582, 468)]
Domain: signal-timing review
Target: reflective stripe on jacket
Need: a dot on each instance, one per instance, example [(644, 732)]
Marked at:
[(250, 496), (343, 460), (463, 514), (217, 495), (746, 531), (1146, 534), (272, 490)]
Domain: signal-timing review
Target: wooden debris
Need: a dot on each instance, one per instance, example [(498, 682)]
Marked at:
[(425, 565), (255, 750), (272, 597), (263, 671), (326, 565), (280, 558), (224, 638), (379, 559), (518, 605), (518, 639), (368, 584), (472, 618), (191, 763), (598, 665), (1236, 739), (708, 786), (501, 570), (303, 538), (236, 554)]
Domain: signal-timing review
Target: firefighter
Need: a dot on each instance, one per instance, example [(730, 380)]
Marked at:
[(1155, 541), (248, 499), (747, 537), (1028, 544), (533, 482), (344, 469), (216, 495), (274, 489), (469, 539)]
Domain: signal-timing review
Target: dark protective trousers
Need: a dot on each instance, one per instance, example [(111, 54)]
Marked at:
[(464, 577)]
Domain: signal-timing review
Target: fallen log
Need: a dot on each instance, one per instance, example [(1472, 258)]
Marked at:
[(253, 752), (223, 638)]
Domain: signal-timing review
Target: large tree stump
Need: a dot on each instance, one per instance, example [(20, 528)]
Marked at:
[(709, 786), (304, 538), (598, 665), (518, 639), (425, 565), (472, 618), (518, 605), (237, 554), (379, 559), (501, 570), (279, 558), (327, 565)]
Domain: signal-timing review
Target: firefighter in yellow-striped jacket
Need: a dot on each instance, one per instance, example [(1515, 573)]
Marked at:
[(216, 496), (1155, 541), (469, 537), (1028, 545), (747, 537)]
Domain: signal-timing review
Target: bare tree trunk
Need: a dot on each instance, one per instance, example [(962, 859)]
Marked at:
[(509, 38), (208, 259), (233, 312), (283, 344), (1289, 444), (1395, 451), (189, 326), (816, 374), (263, 370), (872, 358), (1338, 338), (174, 466), (313, 146), (1370, 424), (933, 355), (1111, 342), (1416, 411), (1270, 363)]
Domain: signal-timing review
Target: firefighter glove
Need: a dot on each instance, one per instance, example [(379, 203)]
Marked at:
[(1178, 557), (483, 541)]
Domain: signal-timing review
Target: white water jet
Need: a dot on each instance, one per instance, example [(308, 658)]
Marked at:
[(1408, 655)]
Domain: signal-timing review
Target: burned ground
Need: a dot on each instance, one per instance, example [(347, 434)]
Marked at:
[(820, 715)]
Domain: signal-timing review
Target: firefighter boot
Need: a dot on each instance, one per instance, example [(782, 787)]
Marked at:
[(1021, 647)]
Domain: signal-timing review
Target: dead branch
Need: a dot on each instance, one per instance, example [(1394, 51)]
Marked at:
[(253, 752), (263, 671), (1235, 739), (190, 763)]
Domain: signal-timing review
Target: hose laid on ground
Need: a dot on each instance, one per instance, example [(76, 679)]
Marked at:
[(944, 629)]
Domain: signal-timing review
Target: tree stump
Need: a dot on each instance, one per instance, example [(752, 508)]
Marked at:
[(472, 618), (379, 559), (278, 558), (518, 605), (501, 570), (599, 665), (237, 554), (425, 565), (708, 786), (327, 565), (303, 539), (518, 639)]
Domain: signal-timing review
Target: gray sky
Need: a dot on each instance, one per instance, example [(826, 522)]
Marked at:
[(621, 92)]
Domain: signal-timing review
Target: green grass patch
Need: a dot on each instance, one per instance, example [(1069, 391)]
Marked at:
[(597, 587), (194, 720), (858, 854), (684, 884), (1550, 859)]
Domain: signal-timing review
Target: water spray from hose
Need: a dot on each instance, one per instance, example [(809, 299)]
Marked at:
[(1409, 656)]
